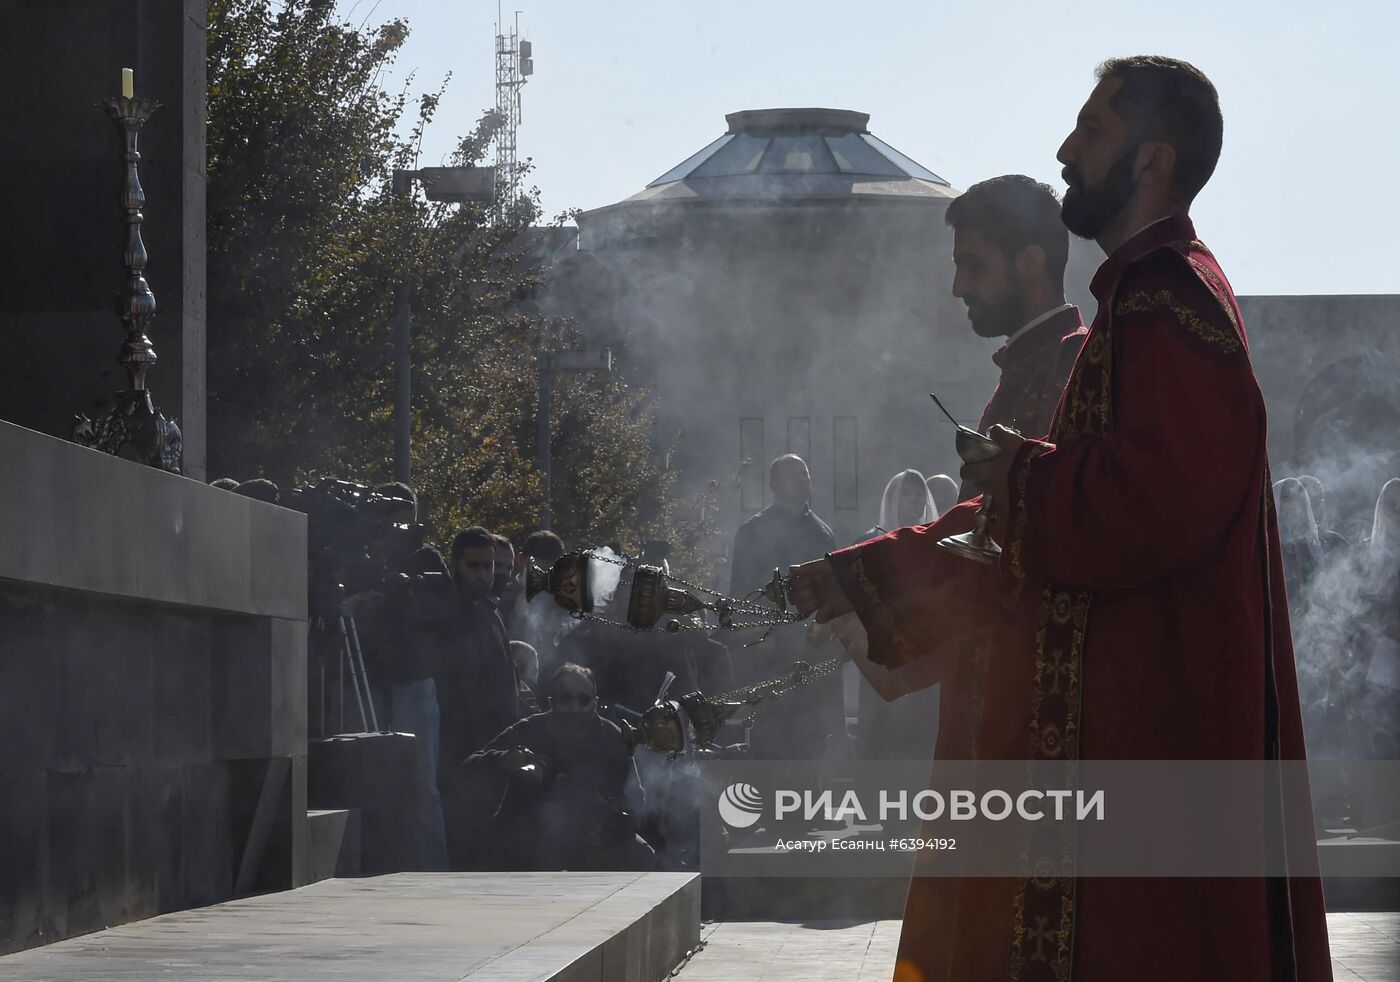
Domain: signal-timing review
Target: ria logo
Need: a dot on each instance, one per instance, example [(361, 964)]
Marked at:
[(740, 805)]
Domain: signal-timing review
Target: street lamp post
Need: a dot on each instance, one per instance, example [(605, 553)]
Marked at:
[(450, 184), (548, 363)]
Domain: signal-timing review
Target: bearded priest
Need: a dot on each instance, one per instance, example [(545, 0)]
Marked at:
[(1137, 611)]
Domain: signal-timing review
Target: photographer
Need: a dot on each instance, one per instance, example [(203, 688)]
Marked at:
[(398, 621), (399, 537), (568, 774)]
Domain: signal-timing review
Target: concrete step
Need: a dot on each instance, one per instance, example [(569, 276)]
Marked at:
[(332, 843), (409, 927)]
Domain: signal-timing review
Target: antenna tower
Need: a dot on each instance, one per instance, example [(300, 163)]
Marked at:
[(513, 64)]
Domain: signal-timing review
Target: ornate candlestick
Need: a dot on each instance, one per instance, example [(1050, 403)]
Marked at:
[(133, 427)]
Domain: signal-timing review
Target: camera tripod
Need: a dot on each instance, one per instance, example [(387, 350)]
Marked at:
[(349, 654)]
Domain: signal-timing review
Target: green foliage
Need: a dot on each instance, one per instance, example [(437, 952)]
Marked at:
[(308, 244)]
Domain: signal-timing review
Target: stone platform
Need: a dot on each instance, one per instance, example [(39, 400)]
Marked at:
[(409, 927), (1365, 948)]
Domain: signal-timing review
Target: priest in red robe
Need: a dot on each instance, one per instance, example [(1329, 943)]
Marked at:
[(1138, 609), (1010, 250)]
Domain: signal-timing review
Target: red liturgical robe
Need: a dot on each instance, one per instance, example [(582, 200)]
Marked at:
[(1142, 570), (1034, 368)]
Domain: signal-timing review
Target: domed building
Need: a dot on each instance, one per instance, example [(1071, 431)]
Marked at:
[(786, 289)]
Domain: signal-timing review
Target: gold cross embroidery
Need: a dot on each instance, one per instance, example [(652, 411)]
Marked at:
[(1040, 934), (1058, 665)]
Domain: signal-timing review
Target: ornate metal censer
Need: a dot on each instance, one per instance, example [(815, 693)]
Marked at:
[(663, 728), (133, 427), (655, 594)]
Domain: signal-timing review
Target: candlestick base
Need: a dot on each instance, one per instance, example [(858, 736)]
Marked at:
[(978, 544), (133, 429)]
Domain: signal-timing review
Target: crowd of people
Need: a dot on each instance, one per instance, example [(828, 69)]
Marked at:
[(515, 705)]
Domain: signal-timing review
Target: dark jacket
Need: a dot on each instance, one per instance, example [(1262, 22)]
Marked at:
[(584, 770), (477, 688), (778, 536)]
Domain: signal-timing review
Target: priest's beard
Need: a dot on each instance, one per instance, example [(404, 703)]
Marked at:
[(996, 318), (1086, 210)]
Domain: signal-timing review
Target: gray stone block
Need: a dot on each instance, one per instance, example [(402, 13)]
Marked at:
[(259, 687), (377, 774), (220, 562), (30, 673), (434, 927), (288, 687), (128, 530), (156, 847), (332, 843), (164, 572), (107, 692), (295, 820), (281, 863), (87, 849), (182, 679), (24, 853), (207, 834), (276, 586)]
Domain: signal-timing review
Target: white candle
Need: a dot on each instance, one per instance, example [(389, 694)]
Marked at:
[(128, 83)]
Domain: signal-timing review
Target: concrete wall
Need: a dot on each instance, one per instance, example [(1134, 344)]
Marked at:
[(152, 665), (61, 167)]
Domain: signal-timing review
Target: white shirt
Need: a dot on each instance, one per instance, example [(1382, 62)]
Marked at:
[(1034, 322)]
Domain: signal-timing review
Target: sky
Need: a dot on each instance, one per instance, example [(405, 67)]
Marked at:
[(1303, 200)]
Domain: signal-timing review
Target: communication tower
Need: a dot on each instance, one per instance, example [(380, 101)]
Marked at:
[(514, 64)]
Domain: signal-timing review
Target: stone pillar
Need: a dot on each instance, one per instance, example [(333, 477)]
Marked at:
[(61, 170)]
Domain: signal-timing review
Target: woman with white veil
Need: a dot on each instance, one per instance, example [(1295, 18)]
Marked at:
[(905, 729), (906, 502)]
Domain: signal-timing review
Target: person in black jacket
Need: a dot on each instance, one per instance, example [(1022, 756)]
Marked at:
[(782, 532), (799, 726), (569, 775), (478, 692)]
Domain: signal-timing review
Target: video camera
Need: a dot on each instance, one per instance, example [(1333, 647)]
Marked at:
[(353, 542)]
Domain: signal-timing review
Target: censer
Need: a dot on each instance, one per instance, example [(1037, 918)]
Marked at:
[(973, 448), (663, 728), (655, 594)]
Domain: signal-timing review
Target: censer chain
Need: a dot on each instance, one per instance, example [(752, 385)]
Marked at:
[(736, 606)]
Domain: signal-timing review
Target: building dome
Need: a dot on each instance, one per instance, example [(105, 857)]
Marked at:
[(792, 154)]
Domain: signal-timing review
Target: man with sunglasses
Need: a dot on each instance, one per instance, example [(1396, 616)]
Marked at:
[(569, 777)]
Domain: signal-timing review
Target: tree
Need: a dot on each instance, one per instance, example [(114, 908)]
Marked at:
[(307, 242)]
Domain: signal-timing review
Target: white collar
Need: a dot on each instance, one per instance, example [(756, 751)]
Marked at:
[(1150, 224), (1035, 322)]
